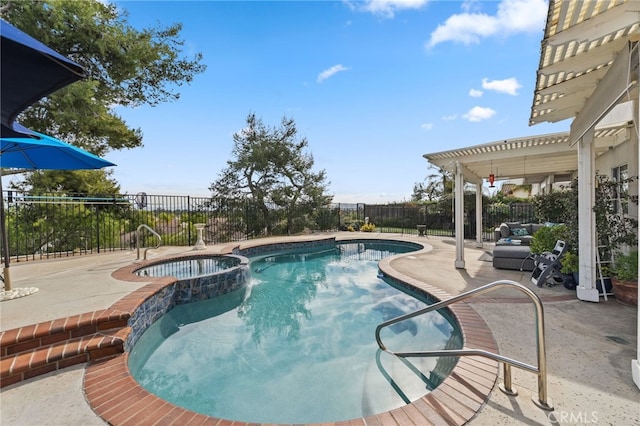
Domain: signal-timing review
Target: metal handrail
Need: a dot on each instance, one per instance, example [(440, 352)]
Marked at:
[(540, 370), (138, 240)]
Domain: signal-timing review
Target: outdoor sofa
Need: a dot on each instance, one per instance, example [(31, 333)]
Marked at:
[(511, 249)]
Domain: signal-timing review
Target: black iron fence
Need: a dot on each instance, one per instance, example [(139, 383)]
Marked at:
[(45, 226)]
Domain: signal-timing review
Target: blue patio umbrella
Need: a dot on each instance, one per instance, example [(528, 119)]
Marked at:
[(34, 151), (29, 71)]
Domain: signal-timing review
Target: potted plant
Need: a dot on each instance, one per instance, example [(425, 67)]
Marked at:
[(625, 278), (616, 231), (570, 265)]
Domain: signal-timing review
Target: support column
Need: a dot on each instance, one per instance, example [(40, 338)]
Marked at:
[(635, 363), (586, 289), (459, 216), (479, 224), (550, 181)]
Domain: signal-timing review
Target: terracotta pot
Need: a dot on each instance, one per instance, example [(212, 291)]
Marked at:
[(625, 292)]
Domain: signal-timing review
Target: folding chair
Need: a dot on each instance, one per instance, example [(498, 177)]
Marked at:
[(548, 266)]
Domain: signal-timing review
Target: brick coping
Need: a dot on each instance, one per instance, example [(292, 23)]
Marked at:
[(118, 399)]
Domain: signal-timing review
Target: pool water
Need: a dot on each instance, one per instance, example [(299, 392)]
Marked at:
[(298, 345)]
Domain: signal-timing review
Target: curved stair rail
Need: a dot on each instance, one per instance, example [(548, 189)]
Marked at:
[(540, 370), (138, 240)]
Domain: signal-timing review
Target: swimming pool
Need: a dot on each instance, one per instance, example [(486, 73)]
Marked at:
[(304, 327)]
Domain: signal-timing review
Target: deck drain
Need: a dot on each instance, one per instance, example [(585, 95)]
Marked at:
[(618, 340)]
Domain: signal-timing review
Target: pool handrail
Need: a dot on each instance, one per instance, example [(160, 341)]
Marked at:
[(138, 240), (541, 370)]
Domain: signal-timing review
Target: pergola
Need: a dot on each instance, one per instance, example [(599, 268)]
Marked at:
[(589, 69), (540, 159), (536, 159), (588, 73)]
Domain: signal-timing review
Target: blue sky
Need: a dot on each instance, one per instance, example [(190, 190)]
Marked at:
[(372, 86)]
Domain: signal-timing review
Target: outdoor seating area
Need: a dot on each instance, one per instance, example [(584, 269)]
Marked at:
[(521, 233), (512, 249)]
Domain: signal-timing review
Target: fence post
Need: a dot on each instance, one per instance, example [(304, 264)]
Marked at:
[(98, 228), (404, 218), (188, 220)]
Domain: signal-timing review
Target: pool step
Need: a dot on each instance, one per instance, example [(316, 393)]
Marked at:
[(41, 348)]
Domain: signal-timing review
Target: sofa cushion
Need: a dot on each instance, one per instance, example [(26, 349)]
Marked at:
[(526, 240), (536, 226), (519, 232), (505, 231), (512, 225)]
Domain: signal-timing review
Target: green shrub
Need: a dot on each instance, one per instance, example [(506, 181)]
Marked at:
[(569, 262), (625, 267), (326, 219), (545, 238)]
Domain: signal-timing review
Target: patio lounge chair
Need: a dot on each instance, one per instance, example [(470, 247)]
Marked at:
[(547, 269)]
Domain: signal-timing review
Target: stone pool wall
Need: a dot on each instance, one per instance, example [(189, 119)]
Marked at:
[(183, 291)]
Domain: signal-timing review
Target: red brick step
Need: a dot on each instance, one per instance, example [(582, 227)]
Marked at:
[(41, 348)]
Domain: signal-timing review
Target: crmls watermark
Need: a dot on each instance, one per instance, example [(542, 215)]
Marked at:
[(573, 417)]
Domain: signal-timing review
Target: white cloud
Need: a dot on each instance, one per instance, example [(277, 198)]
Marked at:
[(477, 114), (475, 93), (513, 16), (330, 72), (450, 117), (427, 126), (470, 5), (509, 86), (385, 8)]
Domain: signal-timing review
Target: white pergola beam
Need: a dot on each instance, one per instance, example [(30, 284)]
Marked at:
[(607, 94), (582, 83), (601, 25), (479, 224), (459, 215), (604, 54)]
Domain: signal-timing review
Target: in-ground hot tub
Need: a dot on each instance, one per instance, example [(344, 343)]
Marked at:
[(198, 277), (201, 277), (190, 267)]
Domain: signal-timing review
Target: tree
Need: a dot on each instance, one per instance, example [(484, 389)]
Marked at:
[(270, 166), (126, 67), (89, 182), (434, 187)]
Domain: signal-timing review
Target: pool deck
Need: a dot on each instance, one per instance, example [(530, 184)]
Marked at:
[(589, 345)]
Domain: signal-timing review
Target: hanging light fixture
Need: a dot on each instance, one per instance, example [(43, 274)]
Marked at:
[(492, 177)]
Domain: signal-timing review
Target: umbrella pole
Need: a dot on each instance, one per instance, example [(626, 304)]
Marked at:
[(5, 241)]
